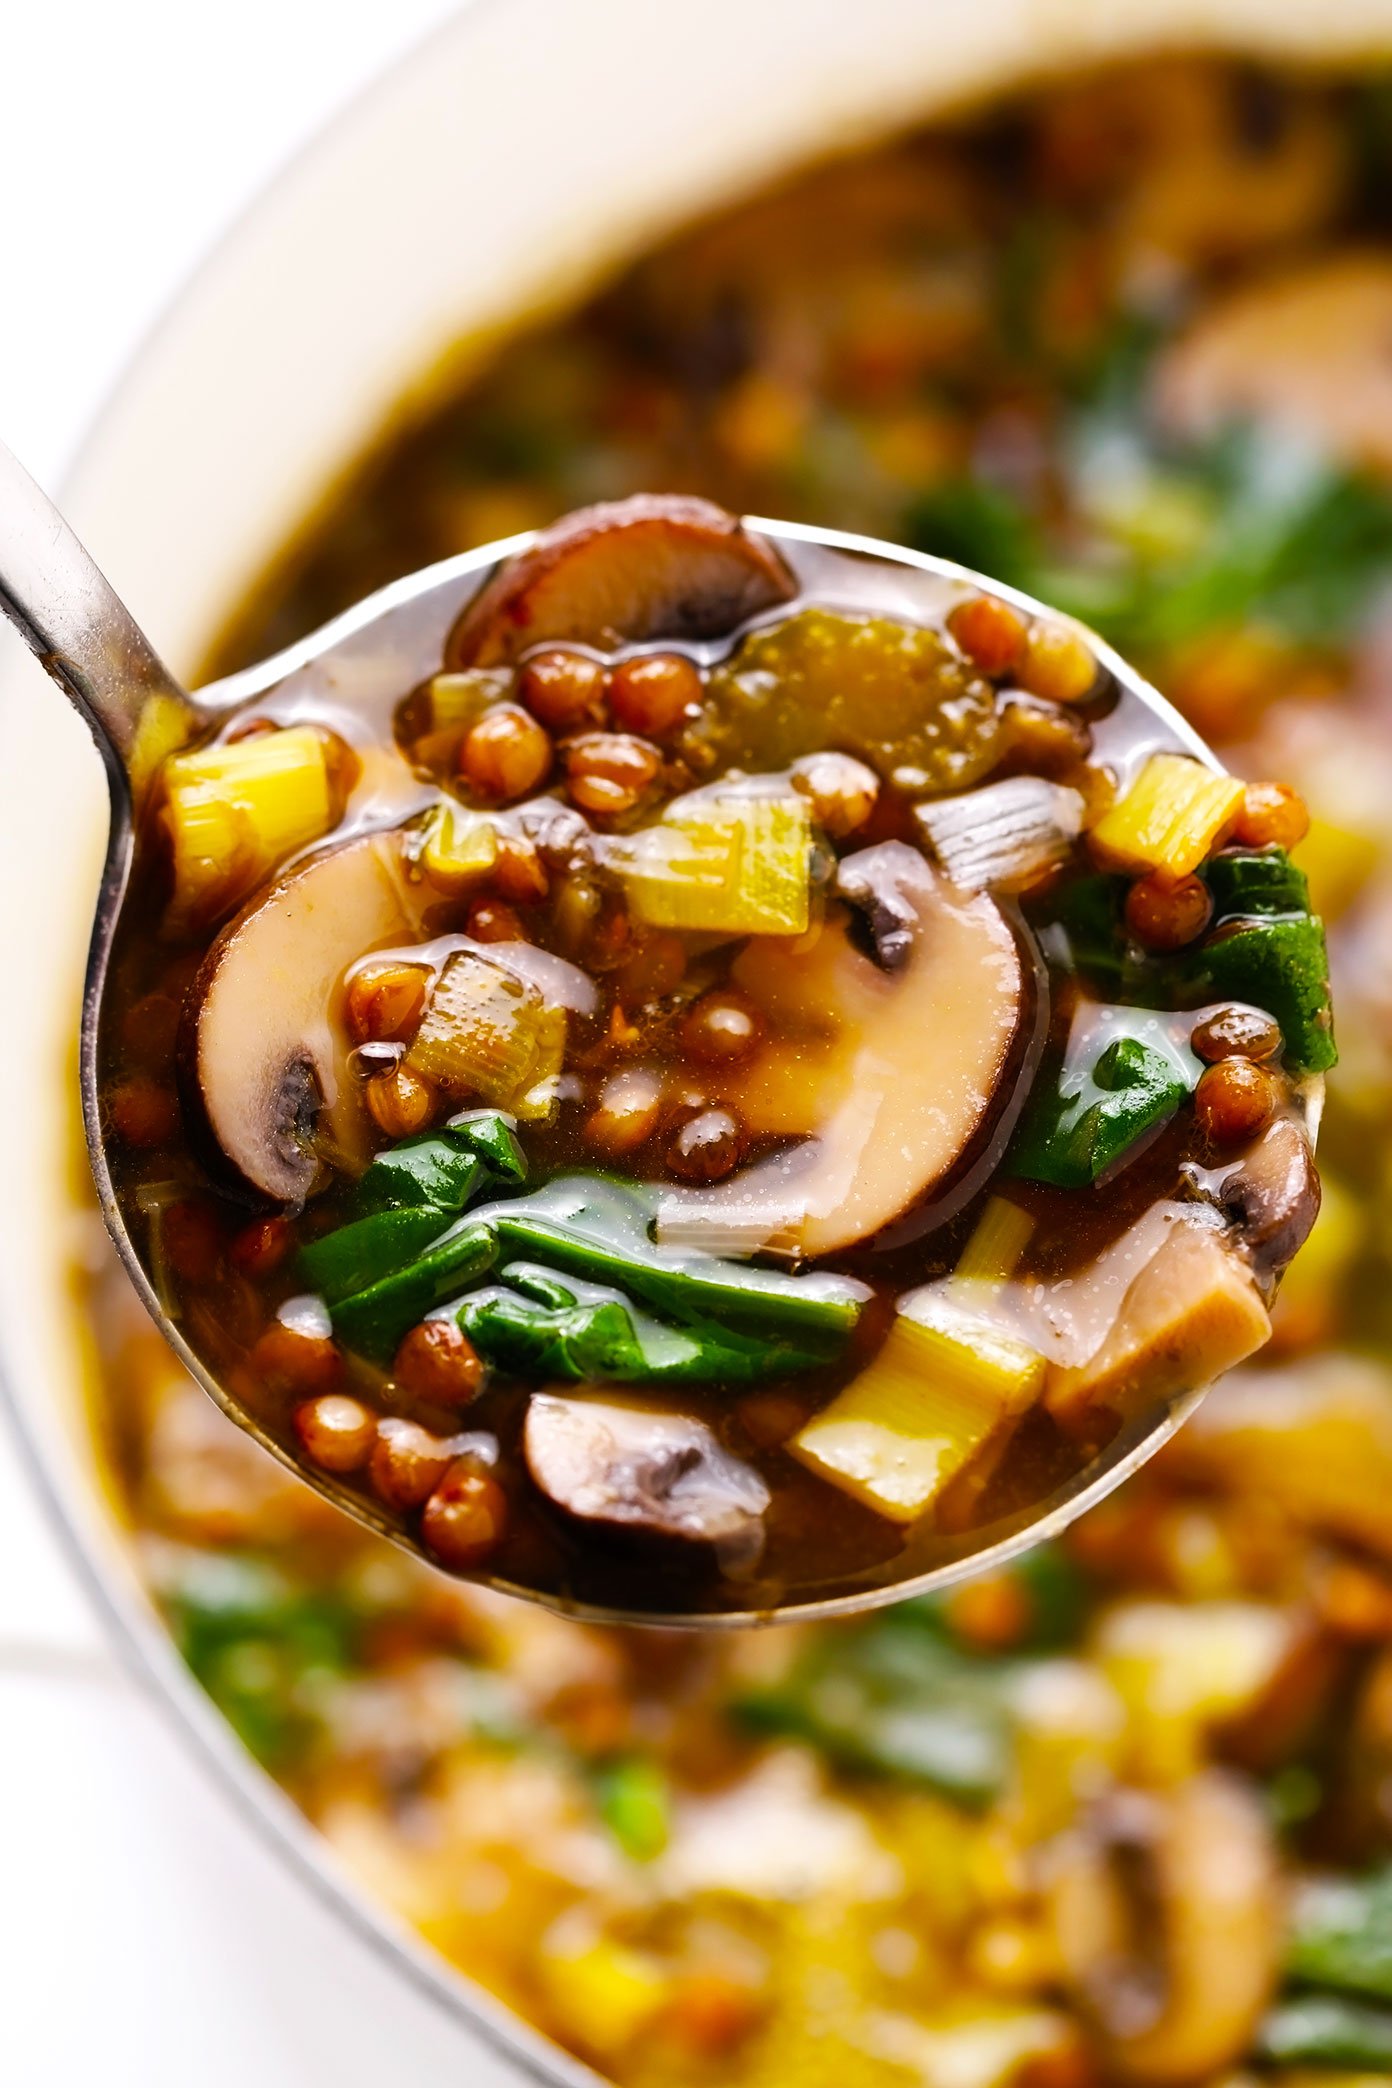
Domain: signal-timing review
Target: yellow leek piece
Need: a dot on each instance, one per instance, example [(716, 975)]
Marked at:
[(1169, 819), (932, 1399), (731, 866), (458, 847), (458, 700), (992, 1254), (603, 1992), (487, 1032), (234, 812)]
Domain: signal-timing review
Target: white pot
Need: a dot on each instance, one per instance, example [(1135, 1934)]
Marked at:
[(520, 154)]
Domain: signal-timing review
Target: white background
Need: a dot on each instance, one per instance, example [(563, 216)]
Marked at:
[(146, 1939)]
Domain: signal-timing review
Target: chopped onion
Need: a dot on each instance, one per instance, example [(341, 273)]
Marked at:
[(1006, 837)]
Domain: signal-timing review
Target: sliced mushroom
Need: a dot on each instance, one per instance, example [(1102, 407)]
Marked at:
[(1166, 1914), (890, 1077), (1191, 1313), (1274, 1196), (880, 884), (1306, 350), (637, 1471), (262, 1056), (655, 566)]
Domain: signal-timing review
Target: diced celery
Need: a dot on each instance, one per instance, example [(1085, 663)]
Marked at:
[(457, 700), (234, 812), (1169, 819), (732, 865), (487, 1032), (938, 1392), (457, 847)]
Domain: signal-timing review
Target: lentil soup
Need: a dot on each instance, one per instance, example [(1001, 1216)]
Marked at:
[(1121, 1812)]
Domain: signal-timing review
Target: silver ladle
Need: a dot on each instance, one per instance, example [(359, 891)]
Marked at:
[(91, 646)]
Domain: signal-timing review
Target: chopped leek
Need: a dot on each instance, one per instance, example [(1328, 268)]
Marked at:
[(992, 1254), (727, 865), (938, 1392), (457, 700), (1247, 882), (457, 847), (488, 1032), (234, 812), (1006, 837), (1169, 819)]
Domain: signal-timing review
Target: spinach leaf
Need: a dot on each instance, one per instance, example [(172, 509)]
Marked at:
[(1341, 1935), (1255, 881), (1280, 964), (893, 1698), (1321, 2030), (1123, 1075)]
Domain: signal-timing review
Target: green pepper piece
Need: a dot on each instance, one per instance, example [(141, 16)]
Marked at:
[(1246, 882), (435, 1170), (634, 1800), (372, 1321), (1322, 2030), (370, 1249), (492, 1138), (1098, 1107), (1280, 965)]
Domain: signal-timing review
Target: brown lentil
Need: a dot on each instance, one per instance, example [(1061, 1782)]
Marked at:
[(1270, 815), (991, 634), (610, 772), (192, 1236), (843, 791), (629, 1110), (1165, 913), (400, 1102), (407, 1462), (652, 693), (506, 754), (707, 1146), (1237, 1032), (437, 1364), (385, 1001), (260, 1248), (1057, 664), (465, 1516), (1233, 1100), (721, 1027), (337, 1432), (290, 1358), (493, 920), (564, 689), (142, 1112), (518, 873)]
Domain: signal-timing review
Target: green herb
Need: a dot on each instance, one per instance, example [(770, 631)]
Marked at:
[(634, 1801), (900, 1700), (372, 1321), (1320, 2030), (436, 1171), (363, 1253), (1341, 1935), (1122, 1077)]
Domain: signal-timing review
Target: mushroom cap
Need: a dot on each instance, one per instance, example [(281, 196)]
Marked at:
[(655, 566), (262, 1053), (888, 1076), (642, 1471)]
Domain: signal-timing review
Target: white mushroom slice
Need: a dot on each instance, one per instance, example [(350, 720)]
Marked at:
[(1190, 1314), (1006, 837), (655, 566), (263, 1055), (641, 1472), (1305, 350), (892, 1074)]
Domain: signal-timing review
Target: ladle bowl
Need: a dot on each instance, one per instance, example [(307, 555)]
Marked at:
[(355, 669)]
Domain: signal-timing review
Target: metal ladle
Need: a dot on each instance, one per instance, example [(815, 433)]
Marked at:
[(91, 646)]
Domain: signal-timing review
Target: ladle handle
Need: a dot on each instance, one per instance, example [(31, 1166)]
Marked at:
[(72, 619)]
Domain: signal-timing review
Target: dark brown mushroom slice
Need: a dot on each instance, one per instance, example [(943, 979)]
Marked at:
[(262, 1054), (1273, 1197), (879, 885), (645, 1472), (655, 566)]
